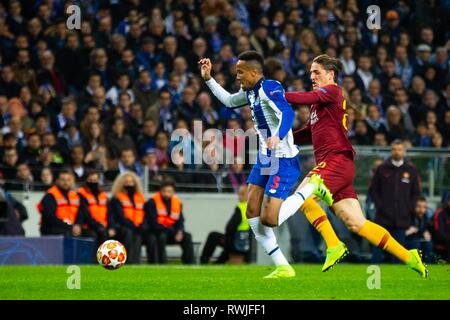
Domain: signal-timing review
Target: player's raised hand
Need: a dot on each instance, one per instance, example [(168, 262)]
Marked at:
[(205, 68)]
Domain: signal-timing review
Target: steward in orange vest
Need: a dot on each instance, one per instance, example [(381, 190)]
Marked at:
[(127, 210), (60, 208), (96, 202), (96, 218), (166, 223)]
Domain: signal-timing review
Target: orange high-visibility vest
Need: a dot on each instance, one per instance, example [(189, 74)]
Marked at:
[(133, 213), (98, 210), (65, 210), (163, 217)]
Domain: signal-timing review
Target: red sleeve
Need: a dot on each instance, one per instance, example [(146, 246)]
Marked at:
[(326, 94), (303, 135)]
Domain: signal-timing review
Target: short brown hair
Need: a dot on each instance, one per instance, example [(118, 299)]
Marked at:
[(329, 63)]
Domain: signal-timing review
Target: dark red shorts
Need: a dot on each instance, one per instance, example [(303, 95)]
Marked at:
[(338, 173)]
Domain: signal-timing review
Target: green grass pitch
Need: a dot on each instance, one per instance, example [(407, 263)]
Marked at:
[(176, 282)]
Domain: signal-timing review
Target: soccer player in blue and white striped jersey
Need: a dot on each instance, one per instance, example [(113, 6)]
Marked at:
[(277, 166)]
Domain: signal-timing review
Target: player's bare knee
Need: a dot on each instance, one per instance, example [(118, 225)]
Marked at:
[(354, 225), (252, 211), (269, 221)]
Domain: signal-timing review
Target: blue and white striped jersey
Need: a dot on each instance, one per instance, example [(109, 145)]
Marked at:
[(271, 113)]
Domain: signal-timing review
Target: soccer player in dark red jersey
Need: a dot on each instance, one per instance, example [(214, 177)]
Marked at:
[(327, 130)]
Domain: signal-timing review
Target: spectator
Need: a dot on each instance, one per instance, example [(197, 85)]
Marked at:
[(374, 121), (147, 56), (118, 139), (210, 116), (12, 215), (77, 162), (347, 60), (147, 139), (164, 212), (363, 75), (169, 52), (67, 139), (23, 70), (402, 101), (167, 117), (70, 61), (394, 125), (9, 86), (395, 188), (403, 67), (188, 108), (423, 58), (146, 96), (159, 75), (261, 41), (68, 113), (361, 136), (162, 148), (9, 163), (94, 146), (31, 153), (135, 120), (422, 138), (24, 180), (418, 235), (49, 74), (236, 239), (46, 180), (122, 85), (86, 96), (128, 162), (99, 65), (42, 124), (441, 229), (128, 65)]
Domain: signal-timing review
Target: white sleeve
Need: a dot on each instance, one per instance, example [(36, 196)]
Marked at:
[(234, 100)]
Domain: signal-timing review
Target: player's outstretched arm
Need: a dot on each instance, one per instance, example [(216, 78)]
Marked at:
[(235, 100), (326, 94)]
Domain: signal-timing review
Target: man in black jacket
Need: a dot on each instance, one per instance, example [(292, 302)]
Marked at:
[(418, 235), (395, 188), (441, 232), (12, 215)]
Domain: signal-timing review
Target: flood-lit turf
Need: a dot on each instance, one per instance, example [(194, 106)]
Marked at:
[(345, 281)]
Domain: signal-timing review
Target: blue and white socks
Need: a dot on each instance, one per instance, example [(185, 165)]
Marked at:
[(293, 203), (266, 238)]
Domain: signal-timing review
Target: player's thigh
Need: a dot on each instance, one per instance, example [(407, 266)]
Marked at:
[(270, 211), (255, 197), (303, 183), (350, 212)]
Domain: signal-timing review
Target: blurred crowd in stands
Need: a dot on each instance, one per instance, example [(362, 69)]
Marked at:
[(110, 94)]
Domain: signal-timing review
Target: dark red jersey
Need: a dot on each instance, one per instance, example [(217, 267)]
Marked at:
[(327, 125)]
